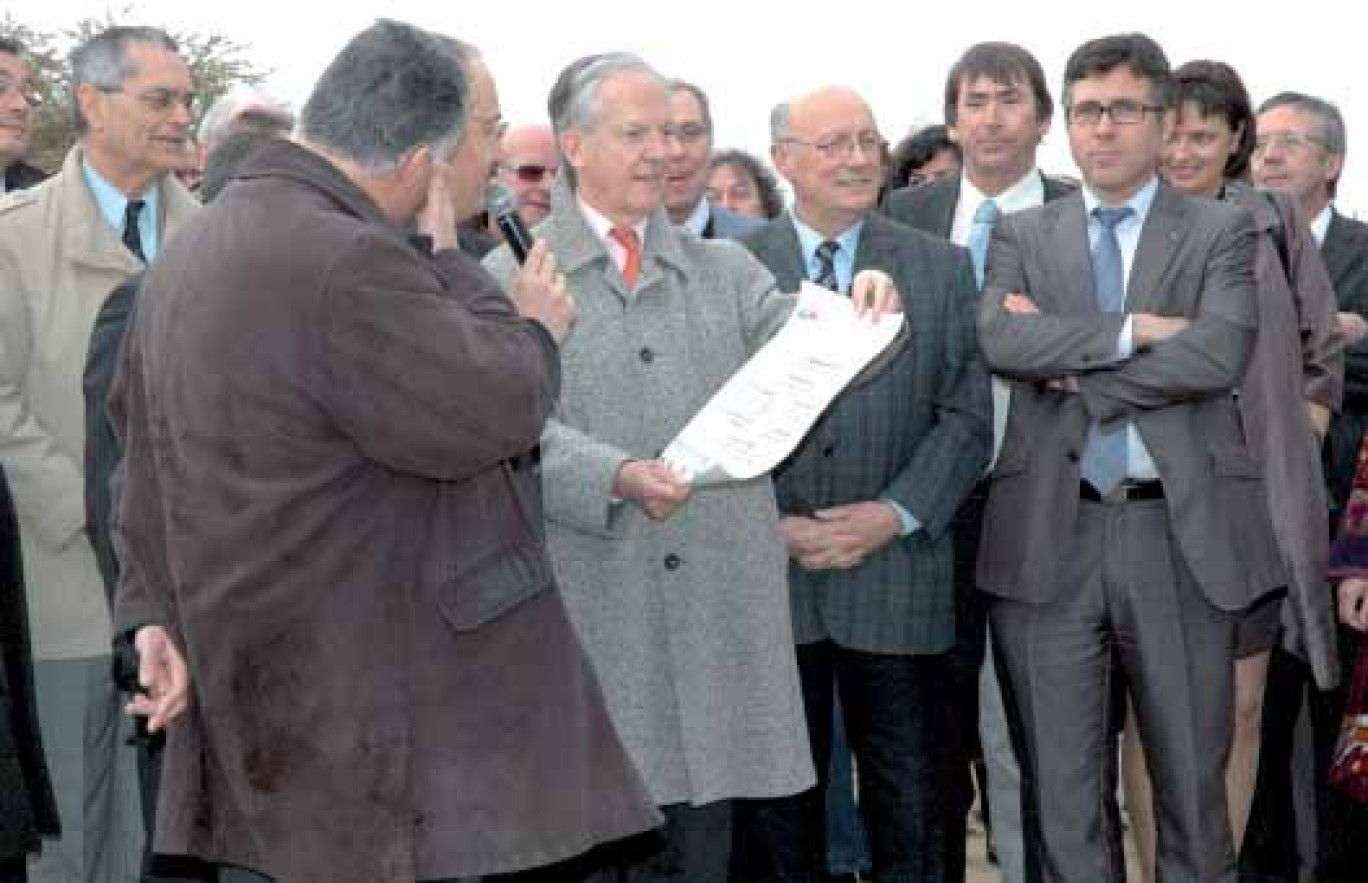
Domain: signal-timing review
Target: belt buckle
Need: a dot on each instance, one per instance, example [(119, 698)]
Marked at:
[(1118, 494)]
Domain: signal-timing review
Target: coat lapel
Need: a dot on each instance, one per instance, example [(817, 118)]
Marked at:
[(878, 251), (1160, 237), (782, 252), (1069, 244)]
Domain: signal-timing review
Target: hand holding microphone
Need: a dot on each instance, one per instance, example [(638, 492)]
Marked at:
[(537, 289)]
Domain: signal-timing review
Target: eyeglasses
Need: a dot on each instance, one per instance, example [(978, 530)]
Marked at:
[(1292, 142), (161, 100), (530, 173), (22, 88), (686, 133), (1123, 112), (843, 146)]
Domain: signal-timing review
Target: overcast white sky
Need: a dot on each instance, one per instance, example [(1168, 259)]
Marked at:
[(749, 53)]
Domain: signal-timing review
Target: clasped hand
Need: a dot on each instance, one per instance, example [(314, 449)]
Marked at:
[(840, 537)]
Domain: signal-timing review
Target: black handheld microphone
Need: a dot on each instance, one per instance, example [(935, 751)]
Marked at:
[(502, 206)]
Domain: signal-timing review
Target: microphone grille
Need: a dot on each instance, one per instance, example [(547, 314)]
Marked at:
[(499, 200)]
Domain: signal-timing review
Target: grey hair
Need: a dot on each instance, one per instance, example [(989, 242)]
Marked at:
[(103, 62), (700, 96), (393, 88), (779, 122), (574, 100), (218, 120), (1327, 115)]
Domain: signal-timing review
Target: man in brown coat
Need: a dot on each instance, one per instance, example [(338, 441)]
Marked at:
[(341, 606)]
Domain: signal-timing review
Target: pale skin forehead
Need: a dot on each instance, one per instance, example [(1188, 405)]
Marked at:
[(827, 107), (157, 64), (529, 139), (630, 95)]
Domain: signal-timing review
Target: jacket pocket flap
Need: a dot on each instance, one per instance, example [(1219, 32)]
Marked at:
[(493, 586)]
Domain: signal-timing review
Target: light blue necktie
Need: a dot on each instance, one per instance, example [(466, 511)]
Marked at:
[(980, 231), (1104, 457), (826, 265)]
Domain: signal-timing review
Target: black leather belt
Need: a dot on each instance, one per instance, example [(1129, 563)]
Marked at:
[(1124, 492)]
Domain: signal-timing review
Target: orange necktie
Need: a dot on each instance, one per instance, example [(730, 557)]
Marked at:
[(631, 268)]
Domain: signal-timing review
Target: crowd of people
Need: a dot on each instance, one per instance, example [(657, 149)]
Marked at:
[(339, 546)]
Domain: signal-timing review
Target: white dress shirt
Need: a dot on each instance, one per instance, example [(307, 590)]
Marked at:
[(1140, 465), (1321, 225), (1029, 192), (601, 226)]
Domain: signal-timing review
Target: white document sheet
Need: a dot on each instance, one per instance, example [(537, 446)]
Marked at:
[(761, 414)]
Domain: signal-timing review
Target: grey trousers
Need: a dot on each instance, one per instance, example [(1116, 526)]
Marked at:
[(1004, 775), (1127, 608), (93, 775)]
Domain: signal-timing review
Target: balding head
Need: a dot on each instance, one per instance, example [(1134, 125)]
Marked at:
[(528, 163), (827, 145)]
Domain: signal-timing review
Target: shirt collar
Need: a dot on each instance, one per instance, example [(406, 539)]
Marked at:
[(809, 239), (697, 221), (1140, 201), (1028, 192), (112, 204), (599, 223), (1321, 225)]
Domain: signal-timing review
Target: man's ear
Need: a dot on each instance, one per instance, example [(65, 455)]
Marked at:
[(91, 101)]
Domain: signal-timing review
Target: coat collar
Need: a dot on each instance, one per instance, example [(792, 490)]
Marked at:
[(286, 159), (577, 246), (86, 237)]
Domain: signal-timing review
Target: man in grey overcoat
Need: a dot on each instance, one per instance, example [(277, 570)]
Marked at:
[(680, 596)]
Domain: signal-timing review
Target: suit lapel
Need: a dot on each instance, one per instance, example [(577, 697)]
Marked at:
[(877, 251), (780, 250), (942, 209), (1159, 240), (1336, 251), (1071, 248)]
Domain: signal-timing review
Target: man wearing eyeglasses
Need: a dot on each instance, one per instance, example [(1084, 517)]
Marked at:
[(16, 101), (1300, 150), (688, 144), (1126, 526), (998, 108), (527, 166), (64, 245), (867, 501)]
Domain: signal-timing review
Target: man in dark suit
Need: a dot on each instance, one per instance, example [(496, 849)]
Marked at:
[(997, 108), (1126, 527), (688, 145), (867, 502), (16, 102), (1297, 819), (27, 808)]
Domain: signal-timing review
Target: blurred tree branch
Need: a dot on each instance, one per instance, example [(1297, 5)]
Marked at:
[(216, 62)]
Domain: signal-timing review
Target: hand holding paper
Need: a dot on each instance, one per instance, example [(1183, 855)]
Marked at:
[(762, 413), (653, 485)]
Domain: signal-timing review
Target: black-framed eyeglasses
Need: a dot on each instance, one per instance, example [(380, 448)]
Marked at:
[(530, 173), (1124, 112), (843, 146)]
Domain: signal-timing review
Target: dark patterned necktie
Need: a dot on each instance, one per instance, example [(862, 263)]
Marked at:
[(1105, 456), (132, 237), (826, 265)]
